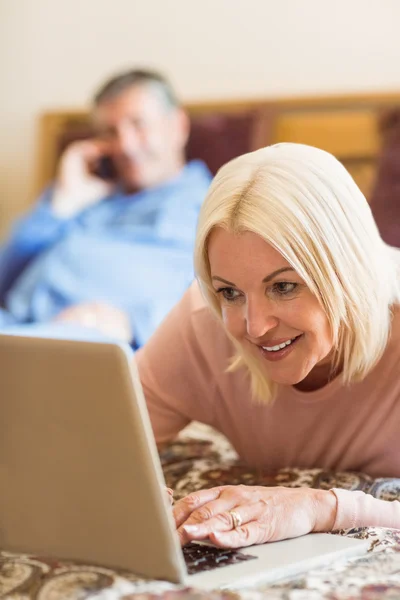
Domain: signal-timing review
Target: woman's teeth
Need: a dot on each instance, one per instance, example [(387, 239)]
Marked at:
[(279, 347)]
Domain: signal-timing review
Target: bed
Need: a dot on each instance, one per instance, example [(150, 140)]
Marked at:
[(201, 458)]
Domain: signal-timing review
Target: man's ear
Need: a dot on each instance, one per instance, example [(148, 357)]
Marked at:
[(181, 127)]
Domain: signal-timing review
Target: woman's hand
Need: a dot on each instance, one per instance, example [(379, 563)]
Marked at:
[(170, 495), (236, 516)]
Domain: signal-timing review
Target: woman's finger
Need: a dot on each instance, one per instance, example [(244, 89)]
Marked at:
[(184, 508), (204, 504), (222, 521), (224, 503), (254, 532), (170, 495)]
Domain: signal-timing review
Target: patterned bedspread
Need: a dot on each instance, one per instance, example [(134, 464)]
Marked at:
[(198, 459)]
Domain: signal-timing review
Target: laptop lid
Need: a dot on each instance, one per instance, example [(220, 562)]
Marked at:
[(79, 473)]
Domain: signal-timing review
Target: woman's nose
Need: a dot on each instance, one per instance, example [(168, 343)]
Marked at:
[(259, 320)]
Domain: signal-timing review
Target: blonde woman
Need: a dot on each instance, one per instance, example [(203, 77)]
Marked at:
[(289, 344)]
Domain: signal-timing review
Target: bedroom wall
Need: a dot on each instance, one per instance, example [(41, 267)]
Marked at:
[(53, 54)]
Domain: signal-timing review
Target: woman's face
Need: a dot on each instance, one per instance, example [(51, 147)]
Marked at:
[(268, 308)]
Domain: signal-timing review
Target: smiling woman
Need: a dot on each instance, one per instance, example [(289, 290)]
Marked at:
[(292, 349), (297, 207)]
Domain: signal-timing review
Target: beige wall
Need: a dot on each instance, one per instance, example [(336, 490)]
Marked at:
[(53, 53)]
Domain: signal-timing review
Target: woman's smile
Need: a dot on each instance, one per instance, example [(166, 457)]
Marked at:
[(278, 349)]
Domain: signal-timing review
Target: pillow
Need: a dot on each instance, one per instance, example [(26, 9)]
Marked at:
[(218, 137), (385, 200)]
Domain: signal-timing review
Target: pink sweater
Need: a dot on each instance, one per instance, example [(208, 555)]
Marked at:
[(353, 428)]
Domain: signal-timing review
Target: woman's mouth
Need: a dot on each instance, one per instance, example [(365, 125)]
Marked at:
[(281, 350)]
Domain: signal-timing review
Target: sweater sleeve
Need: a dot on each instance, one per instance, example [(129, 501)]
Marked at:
[(357, 509), (32, 235)]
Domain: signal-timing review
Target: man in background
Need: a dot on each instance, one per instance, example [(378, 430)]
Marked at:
[(111, 251)]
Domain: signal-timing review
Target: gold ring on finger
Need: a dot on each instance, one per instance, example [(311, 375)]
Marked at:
[(236, 519)]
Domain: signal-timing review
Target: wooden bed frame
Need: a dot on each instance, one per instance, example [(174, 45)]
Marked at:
[(347, 126)]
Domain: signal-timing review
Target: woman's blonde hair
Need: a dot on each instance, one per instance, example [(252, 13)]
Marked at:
[(303, 202)]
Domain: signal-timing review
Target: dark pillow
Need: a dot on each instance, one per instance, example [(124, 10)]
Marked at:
[(219, 137), (385, 200)]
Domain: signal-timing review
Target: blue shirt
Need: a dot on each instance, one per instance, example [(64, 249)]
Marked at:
[(133, 251)]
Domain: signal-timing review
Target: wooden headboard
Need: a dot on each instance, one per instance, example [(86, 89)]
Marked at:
[(346, 126)]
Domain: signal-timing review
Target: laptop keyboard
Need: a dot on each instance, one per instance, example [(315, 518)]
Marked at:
[(200, 557)]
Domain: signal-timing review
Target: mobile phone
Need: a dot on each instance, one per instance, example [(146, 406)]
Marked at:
[(105, 168)]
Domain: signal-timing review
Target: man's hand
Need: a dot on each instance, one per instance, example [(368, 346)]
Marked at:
[(236, 516), (105, 318), (76, 187)]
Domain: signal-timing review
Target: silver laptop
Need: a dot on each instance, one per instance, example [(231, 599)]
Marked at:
[(80, 476)]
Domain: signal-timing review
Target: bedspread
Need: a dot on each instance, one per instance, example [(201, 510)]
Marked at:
[(201, 458)]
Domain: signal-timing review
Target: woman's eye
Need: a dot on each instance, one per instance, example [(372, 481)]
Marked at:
[(284, 288), (229, 294)]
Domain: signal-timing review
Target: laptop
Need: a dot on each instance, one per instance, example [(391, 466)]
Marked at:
[(80, 476)]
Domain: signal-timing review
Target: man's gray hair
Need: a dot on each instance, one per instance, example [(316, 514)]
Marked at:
[(123, 81)]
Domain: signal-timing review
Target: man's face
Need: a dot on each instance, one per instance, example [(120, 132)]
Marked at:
[(145, 136)]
